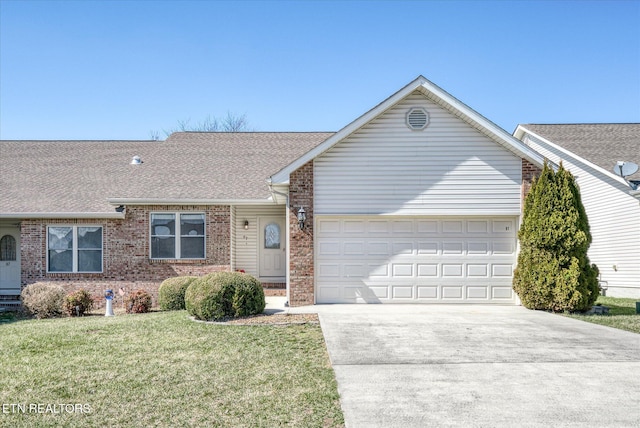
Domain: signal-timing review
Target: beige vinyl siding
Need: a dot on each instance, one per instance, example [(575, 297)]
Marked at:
[(246, 241), (449, 168), (614, 218)]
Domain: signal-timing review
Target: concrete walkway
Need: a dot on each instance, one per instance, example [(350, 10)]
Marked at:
[(479, 366)]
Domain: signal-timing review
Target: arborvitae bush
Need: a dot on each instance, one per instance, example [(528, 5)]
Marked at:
[(554, 272), (171, 292), (222, 295), (43, 300), (138, 302), (78, 302)]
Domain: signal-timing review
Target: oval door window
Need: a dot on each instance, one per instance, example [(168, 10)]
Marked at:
[(8, 248), (272, 236)]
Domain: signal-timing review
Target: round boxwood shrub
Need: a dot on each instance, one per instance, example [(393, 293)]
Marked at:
[(171, 292), (43, 300), (138, 302), (78, 302), (222, 295)]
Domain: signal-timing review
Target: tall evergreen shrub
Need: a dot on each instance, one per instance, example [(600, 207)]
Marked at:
[(554, 272)]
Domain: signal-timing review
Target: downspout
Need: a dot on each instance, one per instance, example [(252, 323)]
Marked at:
[(286, 196)]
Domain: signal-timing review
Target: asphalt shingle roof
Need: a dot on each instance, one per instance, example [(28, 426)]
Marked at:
[(600, 143), (79, 176)]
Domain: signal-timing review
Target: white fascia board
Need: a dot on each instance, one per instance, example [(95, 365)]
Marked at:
[(521, 130), (282, 176), (146, 201), (115, 215), (484, 125)]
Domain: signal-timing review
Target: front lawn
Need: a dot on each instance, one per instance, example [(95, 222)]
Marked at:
[(622, 314), (164, 370)]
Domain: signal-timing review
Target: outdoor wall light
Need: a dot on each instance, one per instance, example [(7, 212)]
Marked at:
[(302, 217), (120, 208), (246, 225)]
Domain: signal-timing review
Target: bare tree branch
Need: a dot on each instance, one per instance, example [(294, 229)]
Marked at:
[(232, 122)]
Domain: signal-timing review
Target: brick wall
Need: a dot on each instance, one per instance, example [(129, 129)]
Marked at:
[(126, 255), (301, 266), (529, 171)]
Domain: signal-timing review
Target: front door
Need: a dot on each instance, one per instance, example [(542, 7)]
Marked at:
[(9, 261), (272, 247)]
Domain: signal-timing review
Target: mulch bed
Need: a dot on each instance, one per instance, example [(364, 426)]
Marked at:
[(269, 319)]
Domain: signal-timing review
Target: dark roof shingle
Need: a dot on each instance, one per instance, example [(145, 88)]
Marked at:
[(603, 144), (79, 176)]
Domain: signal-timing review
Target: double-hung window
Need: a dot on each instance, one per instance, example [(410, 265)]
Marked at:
[(74, 249), (177, 236)]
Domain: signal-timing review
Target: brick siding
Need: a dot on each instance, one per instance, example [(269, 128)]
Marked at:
[(126, 253), (301, 265), (529, 171)]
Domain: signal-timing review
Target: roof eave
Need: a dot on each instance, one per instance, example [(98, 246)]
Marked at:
[(522, 130), (182, 201), (57, 215)]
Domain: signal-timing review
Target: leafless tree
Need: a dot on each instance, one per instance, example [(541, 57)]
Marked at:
[(230, 123)]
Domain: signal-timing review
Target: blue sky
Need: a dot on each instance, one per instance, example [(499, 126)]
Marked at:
[(123, 69)]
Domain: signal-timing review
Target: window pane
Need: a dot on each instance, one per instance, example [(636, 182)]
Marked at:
[(192, 248), (272, 236), (163, 224), (90, 237), (60, 260), (8, 248), (60, 238), (192, 224), (163, 247), (90, 261)]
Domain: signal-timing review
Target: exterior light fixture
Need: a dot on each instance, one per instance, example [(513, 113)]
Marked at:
[(246, 225), (302, 217), (120, 208)]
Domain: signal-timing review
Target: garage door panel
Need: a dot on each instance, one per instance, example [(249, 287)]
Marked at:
[(428, 248), (415, 260), (428, 270), (478, 226), (427, 292), (402, 292)]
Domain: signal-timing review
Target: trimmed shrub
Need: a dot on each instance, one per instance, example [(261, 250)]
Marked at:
[(222, 295), (171, 292), (138, 302), (43, 300), (554, 272), (78, 302)]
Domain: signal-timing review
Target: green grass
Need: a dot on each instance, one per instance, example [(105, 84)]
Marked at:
[(622, 314), (164, 370)]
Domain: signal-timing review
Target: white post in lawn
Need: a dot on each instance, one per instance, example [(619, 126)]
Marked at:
[(108, 295)]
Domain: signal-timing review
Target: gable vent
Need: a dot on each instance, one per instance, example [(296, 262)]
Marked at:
[(417, 118)]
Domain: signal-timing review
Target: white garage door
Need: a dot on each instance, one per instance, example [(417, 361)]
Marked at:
[(415, 260)]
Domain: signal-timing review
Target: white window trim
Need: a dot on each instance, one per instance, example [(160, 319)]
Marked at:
[(177, 235), (74, 248)]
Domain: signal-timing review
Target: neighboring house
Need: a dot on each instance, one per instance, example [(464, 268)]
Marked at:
[(590, 152), (418, 200)]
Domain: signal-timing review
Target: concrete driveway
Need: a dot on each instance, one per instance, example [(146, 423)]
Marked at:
[(479, 366)]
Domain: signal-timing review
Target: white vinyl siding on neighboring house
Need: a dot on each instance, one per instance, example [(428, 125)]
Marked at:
[(449, 168), (246, 256), (614, 219)]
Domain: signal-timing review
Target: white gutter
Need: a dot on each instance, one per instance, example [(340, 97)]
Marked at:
[(151, 201), (116, 215)]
